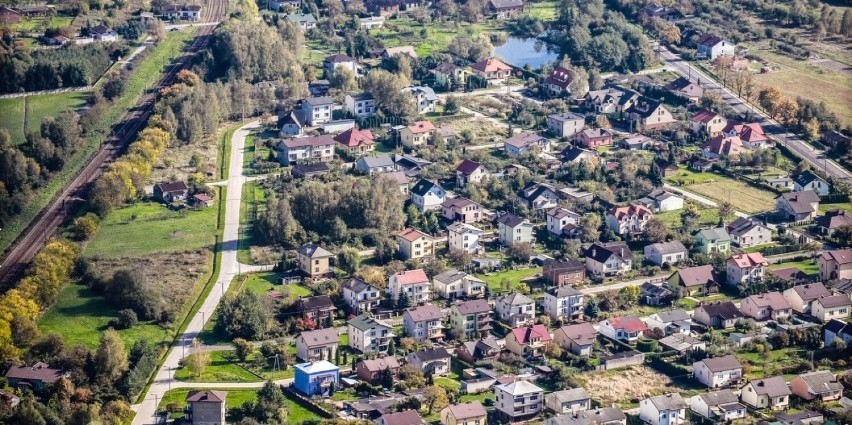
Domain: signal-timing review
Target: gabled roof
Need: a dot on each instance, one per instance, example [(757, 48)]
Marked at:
[(772, 300), (491, 65), (523, 139), (357, 285), (378, 161), (320, 337), (431, 355), (748, 260), (473, 307), (569, 396), (721, 364), (629, 323), (704, 116), (596, 133), (206, 397), (177, 186), (354, 137), (469, 410), (301, 142), (409, 277), (506, 4), (426, 312), (581, 333), (411, 234), (811, 291), (376, 365), (423, 186), (408, 417), (427, 92), (418, 127), (708, 40), (314, 303), (535, 190), (511, 220), (697, 276), (564, 291), (807, 177), (671, 401), (338, 58), (834, 301), (602, 252), (571, 154), (841, 256), (446, 68), (820, 381), (723, 145), (673, 315), (801, 202), (724, 309), (37, 372), (743, 225), (602, 415), (317, 101), (716, 398), (560, 77), (834, 219), (563, 266), (515, 298), (467, 167), (751, 132), (364, 323), (772, 387), (401, 50), (459, 202), (718, 234), (312, 250), (670, 247)]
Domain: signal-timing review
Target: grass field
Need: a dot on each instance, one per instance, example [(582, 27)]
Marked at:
[(437, 35), (234, 400), (263, 282), (546, 10), (81, 315), (744, 197), (39, 24), (145, 228), (842, 206), (146, 74), (767, 364), (224, 368), (31, 110), (806, 266), (12, 118), (514, 276), (709, 216), (686, 177)]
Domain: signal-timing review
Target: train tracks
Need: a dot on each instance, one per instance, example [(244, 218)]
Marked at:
[(43, 227)]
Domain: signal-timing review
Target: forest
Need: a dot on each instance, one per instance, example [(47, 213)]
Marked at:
[(47, 69)]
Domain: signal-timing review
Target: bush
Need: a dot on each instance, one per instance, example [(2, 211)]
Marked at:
[(126, 319)]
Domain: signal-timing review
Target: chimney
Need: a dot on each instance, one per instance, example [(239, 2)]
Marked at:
[(622, 251), (594, 252)]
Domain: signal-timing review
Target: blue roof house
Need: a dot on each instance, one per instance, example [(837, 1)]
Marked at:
[(316, 378)]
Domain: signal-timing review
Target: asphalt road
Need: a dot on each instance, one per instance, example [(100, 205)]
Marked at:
[(771, 127)]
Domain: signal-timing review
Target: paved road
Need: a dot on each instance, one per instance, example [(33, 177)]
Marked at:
[(813, 156), (164, 380)]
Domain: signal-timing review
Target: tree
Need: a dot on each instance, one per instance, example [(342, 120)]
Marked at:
[(412, 376), (591, 309), (86, 226), (435, 397), (629, 296), (198, 360), (769, 99), (787, 111), (386, 89), (689, 218), (344, 79), (521, 252), (110, 359), (269, 407), (402, 301), (726, 210), (552, 350), (459, 258), (349, 259), (656, 230), (589, 227), (243, 349), (242, 316)]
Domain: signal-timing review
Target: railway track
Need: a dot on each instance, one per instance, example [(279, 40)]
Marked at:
[(43, 227)]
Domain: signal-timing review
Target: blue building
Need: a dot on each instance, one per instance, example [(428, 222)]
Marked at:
[(316, 378)]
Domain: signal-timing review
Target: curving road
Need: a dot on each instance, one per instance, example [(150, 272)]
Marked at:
[(815, 157), (164, 379)]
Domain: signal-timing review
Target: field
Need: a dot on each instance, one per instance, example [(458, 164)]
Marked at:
[(479, 129), (263, 282), (709, 217), (235, 399), (514, 276), (81, 315), (687, 176), (22, 115), (806, 266), (147, 228), (224, 368), (745, 198), (39, 24), (842, 206), (12, 118), (437, 36), (546, 10), (767, 364), (622, 386)]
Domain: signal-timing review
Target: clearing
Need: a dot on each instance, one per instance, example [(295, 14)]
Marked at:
[(806, 266), (263, 282), (22, 115), (513, 276), (744, 197), (623, 386), (296, 413), (479, 130), (224, 368), (709, 216)]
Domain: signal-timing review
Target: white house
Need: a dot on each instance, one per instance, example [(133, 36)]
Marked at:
[(360, 296), (518, 400), (772, 393), (624, 328), (664, 409), (746, 269), (564, 302), (367, 334), (832, 307), (565, 124), (800, 297), (515, 309), (538, 196), (523, 142), (670, 322), (568, 401), (718, 371), (435, 361), (512, 229), (361, 105), (558, 218), (427, 195), (103, 33), (718, 406), (712, 47), (464, 237), (661, 201), (423, 323), (319, 344), (613, 258), (334, 62), (317, 110), (414, 283), (671, 252), (453, 284), (424, 98), (628, 219), (807, 180)]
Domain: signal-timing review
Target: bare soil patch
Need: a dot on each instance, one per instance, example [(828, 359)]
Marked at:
[(176, 161), (480, 129), (623, 386)]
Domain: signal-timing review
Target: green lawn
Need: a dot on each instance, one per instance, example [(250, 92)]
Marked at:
[(709, 217), (81, 315), (767, 364), (221, 369), (687, 176), (252, 202), (546, 10), (261, 283), (437, 35), (842, 206), (234, 399), (39, 24), (12, 118), (514, 276), (50, 105), (145, 228), (806, 266)]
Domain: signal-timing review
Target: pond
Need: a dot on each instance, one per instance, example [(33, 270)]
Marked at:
[(526, 51)]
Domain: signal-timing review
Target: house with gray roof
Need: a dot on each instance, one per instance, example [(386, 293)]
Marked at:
[(821, 384), (663, 409), (368, 334), (718, 371), (319, 344), (599, 416), (709, 241), (798, 206), (767, 393), (568, 401), (424, 98), (718, 406), (671, 252), (378, 164), (512, 230), (515, 309), (746, 233)]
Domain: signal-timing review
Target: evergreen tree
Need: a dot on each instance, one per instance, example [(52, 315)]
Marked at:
[(591, 309), (402, 302)]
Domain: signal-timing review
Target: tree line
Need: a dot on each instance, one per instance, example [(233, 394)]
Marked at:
[(47, 69)]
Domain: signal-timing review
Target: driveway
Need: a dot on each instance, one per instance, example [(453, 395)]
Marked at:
[(163, 380)]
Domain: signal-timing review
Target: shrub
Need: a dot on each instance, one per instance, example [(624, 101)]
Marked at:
[(126, 319)]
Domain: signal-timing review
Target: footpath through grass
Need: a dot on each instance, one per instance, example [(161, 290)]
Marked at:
[(146, 74)]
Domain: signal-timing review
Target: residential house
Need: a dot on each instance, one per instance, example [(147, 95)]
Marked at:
[(292, 124), (312, 148), (568, 401), (565, 124), (448, 75), (453, 284), (682, 343), (313, 259), (383, 8), (427, 195), (378, 164), (515, 309), (661, 201), (808, 417), (707, 122), (502, 9), (415, 244), (305, 21), (770, 305), (746, 269), (655, 295), (628, 219), (780, 183), (591, 138), (702, 165), (469, 172), (577, 155), (566, 272), (610, 100), (206, 407), (710, 241), (671, 252), (317, 110), (416, 134), (718, 406), (334, 62), (686, 89), (423, 323), (833, 220), (636, 142), (356, 142), (835, 265), (316, 378), (464, 237), (649, 114), (598, 416), (800, 297), (698, 280), (473, 317), (169, 192), (368, 334), (559, 82), (318, 308), (670, 322), (831, 307), (406, 417), (470, 413), (410, 164), (808, 180), (538, 196), (512, 229), (435, 361), (771, 393), (798, 206), (578, 339), (720, 315), (746, 233), (312, 170), (424, 98), (820, 384), (623, 328), (9, 16), (485, 348), (836, 329), (103, 33), (521, 143), (360, 296), (492, 69), (791, 275), (463, 210), (390, 52), (718, 371), (186, 12), (361, 105), (607, 259), (518, 400), (664, 409), (36, 378), (564, 302), (712, 46), (398, 178), (413, 283), (202, 200), (374, 370), (319, 344), (722, 146), (751, 135)]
